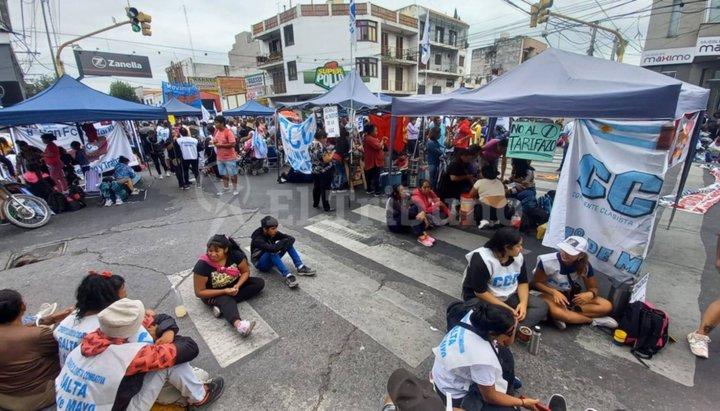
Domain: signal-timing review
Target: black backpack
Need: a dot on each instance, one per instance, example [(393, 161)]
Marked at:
[(646, 328), (57, 202)]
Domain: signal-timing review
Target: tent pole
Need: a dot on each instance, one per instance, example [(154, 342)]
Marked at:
[(393, 129), (688, 163)]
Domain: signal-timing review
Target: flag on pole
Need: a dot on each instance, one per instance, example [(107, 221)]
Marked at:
[(351, 27), (205, 114), (425, 42)]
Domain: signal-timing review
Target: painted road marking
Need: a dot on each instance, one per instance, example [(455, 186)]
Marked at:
[(394, 258), (387, 316), (224, 342)]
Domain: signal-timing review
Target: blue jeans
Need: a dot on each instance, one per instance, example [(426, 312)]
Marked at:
[(433, 175), (339, 180), (527, 198), (269, 260)]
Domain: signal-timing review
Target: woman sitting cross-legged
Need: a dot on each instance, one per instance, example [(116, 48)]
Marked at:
[(490, 193), (427, 201), (222, 279), (557, 276), (403, 216)]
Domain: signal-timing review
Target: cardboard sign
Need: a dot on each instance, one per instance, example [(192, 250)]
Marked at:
[(533, 140), (331, 120)]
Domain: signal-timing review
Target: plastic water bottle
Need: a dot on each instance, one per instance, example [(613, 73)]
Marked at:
[(535, 340), (180, 310)]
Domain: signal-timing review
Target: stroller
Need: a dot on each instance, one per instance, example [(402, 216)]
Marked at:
[(248, 163)]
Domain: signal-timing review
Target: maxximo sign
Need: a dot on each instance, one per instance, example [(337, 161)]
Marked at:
[(682, 55), (97, 63)]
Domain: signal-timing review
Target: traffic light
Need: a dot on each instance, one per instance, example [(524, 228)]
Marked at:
[(540, 12), (139, 21)]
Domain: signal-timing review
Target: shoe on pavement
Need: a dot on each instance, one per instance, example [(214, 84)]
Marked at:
[(699, 344), (483, 224), (494, 224), (432, 240), (224, 191), (119, 202), (108, 203), (426, 242), (331, 210), (135, 192), (291, 281), (216, 312), (215, 388), (160, 177), (245, 327), (167, 174), (559, 324), (607, 322), (306, 271), (235, 192), (557, 403)]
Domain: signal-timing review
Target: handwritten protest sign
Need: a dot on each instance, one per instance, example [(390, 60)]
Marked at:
[(533, 140)]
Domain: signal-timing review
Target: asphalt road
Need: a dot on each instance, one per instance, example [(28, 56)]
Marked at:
[(377, 303)]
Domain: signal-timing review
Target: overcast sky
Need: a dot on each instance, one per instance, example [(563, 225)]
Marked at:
[(213, 25)]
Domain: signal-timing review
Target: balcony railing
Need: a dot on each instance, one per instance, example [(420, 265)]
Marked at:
[(398, 86), (279, 88), (399, 54), (272, 58)]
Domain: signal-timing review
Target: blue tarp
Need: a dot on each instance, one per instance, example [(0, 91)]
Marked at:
[(562, 84), (349, 91), (178, 108), (70, 101), (251, 108)]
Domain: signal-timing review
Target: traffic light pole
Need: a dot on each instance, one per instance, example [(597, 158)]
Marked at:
[(58, 61), (620, 40)]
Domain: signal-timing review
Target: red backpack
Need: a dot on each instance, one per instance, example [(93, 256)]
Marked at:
[(646, 328)]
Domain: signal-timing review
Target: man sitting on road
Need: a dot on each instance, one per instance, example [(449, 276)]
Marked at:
[(107, 371), (268, 246)]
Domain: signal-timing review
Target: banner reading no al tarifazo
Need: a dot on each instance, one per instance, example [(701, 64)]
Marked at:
[(533, 140), (608, 192)]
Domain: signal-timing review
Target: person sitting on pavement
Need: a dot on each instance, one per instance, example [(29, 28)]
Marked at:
[(496, 274), (96, 292), (557, 276), (402, 216), (490, 192), (521, 184), (39, 184), (427, 201), (473, 368), (107, 371), (457, 179), (407, 392), (28, 356), (222, 279), (124, 174), (268, 246), (294, 176)]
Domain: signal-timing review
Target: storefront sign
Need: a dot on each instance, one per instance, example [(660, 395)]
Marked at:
[(707, 46), (97, 63), (609, 192), (230, 86), (255, 86), (682, 55), (203, 83), (533, 141), (326, 76)]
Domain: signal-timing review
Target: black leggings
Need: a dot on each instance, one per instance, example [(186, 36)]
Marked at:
[(372, 178), (186, 166), (158, 159), (321, 185), (479, 213), (228, 303)]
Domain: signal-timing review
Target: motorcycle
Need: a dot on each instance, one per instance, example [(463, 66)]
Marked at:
[(23, 210)]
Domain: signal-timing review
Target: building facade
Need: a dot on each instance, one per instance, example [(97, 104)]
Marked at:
[(448, 48), (243, 55), (305, 50), (12, 83), (683, 41), (505, 54)]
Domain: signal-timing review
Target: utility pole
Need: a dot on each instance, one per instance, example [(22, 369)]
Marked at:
[(47, 32), (614, 50), (187, 24), (591, 49)]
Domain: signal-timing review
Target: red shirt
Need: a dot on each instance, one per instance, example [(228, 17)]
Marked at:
[(464, 135), (52, 155), (374, 156), (225, 137)]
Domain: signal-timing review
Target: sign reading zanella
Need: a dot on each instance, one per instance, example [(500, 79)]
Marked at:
[(326, 76), (682, 55), (97, 63)]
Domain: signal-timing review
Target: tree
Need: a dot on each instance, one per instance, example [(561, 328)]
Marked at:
[(38, 85), (123, 90)]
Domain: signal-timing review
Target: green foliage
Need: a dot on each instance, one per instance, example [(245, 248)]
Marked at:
[(123, 90), (39, 84)]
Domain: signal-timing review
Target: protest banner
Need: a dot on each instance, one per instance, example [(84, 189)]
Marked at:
[(609, 193), (103, 149), (296, 138), (533, 140), (186, 93), (681, 142), (332, 121)]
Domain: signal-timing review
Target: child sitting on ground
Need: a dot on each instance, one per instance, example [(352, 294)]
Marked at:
[(269, 245)]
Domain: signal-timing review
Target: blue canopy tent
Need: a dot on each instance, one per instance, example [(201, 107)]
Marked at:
[(350, 92), (251, 108), (178, 108), (558, 83), (70, 101)]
